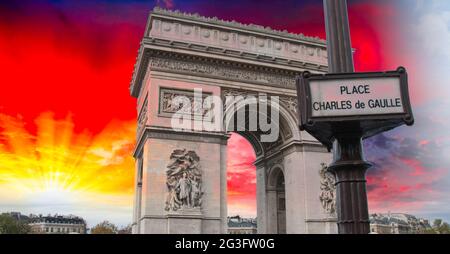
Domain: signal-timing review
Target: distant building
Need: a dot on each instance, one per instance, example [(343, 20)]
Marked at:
[(18, 216), (397, 223), (238, 225), (57, 224)]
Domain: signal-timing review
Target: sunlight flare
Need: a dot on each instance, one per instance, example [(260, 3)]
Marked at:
[(55, 163)]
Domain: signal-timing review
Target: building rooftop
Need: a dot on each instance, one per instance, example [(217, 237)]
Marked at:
[(61, 219), (238, 222), (397, 218)]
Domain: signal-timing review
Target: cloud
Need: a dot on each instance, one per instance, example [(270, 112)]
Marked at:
[(434, 30), (407, 174), (430, 27), (411, 172), (115, 154)]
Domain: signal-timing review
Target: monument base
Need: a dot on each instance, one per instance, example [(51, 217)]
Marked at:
[(321, 226), (185, 221)]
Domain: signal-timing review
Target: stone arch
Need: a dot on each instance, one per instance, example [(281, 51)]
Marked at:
[(173, 62), (274, 173), (276, 200), (288, 125)]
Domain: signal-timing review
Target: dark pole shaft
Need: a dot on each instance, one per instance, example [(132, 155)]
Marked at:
[(340, 57), (348, 166)]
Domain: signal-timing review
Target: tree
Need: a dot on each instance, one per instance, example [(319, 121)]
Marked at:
[(9, 225), (125, 230), (437, 223), (439, 227), (104, 227), (445, 228), (429, 231)]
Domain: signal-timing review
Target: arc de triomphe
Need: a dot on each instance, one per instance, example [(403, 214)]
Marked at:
[(181, 180)]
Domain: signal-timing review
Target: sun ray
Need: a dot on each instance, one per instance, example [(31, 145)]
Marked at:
[(57, 162)]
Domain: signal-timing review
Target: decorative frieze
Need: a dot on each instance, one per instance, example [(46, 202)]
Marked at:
[(220, 70)]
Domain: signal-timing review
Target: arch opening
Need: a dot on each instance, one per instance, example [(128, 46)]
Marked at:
[(253, 189), (241, 186), (277, 200)]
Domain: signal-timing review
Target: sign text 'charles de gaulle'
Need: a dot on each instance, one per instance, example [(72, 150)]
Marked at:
[(366, 102)]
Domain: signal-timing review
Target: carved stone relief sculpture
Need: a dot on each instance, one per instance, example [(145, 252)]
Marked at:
[(142, 118), (184, 181), (327, 190), (290, 102), (172, 101)]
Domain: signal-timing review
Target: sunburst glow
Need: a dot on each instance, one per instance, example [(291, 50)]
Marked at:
[(56, 163)]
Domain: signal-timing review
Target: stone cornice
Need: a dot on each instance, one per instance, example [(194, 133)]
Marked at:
[(329, 219), (234, 24), (157, 60), (169, 133)]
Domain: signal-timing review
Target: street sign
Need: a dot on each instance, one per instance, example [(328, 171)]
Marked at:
[(342, 108), (367, 103)]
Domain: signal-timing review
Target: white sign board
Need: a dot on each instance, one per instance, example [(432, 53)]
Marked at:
[(356, 96)]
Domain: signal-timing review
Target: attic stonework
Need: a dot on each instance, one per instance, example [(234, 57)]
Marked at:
[(232, 42)]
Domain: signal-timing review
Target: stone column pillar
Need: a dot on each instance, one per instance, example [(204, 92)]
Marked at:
[(138, 206), (223, 189), (165, 154), (137, 198), (320, 219), (272, 215), (295, 191), (261, 199)]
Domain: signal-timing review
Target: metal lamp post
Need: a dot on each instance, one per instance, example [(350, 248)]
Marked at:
[(349, 165)]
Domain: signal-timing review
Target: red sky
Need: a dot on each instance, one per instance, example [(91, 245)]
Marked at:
[(74, 59)]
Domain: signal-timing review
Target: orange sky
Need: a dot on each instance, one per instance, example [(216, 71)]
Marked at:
[(67, 121)]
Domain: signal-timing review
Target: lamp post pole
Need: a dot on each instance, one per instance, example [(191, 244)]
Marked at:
[(349, 165)]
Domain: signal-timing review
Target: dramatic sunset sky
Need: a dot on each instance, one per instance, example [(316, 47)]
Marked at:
[(67, 121)]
